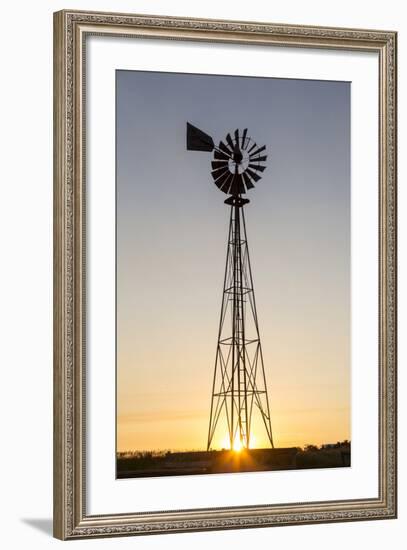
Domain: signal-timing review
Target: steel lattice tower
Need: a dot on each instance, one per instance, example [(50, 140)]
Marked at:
[(239, 389), (239, 382)]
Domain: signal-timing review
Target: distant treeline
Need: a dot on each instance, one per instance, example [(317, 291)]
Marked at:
[(146, 454)]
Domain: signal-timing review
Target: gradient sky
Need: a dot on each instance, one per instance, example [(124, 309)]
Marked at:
[(171, 244)]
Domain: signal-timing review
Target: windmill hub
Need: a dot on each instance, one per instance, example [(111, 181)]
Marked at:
[(239, 162), (237, 157)]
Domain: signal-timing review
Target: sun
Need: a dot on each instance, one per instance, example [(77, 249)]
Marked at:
[(237, 444)]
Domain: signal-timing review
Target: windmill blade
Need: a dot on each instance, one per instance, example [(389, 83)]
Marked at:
[(237, 138), (197, 140), (253, 175), (230, 142), (239, 182), (222, 180), (221, 156), (259, 159), (244, 138), (247, 181), (242, 188), (219, 172), (252, 147), (219, 164), (226, 187), (225, 149), (257, 167), (237, 186), (259, 150)]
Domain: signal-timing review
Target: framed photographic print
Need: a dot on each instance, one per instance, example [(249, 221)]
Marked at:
[(225, 274)]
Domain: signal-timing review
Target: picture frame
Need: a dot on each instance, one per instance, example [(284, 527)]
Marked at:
[(72, 385)]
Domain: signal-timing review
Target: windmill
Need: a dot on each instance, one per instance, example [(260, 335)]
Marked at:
[(239, 390)]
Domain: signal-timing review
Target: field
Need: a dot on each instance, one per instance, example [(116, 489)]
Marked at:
[(148, 464)]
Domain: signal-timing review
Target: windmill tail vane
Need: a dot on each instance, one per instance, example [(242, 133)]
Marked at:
[(239, 398)]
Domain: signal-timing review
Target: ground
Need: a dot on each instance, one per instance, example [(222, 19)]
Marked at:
[(147, 464)]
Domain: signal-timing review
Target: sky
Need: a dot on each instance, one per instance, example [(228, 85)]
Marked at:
[(170, 248)]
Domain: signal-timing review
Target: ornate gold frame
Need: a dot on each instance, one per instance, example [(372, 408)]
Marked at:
[(70, 31)]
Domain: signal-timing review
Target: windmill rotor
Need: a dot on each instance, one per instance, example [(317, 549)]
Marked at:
[(238, 162)]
